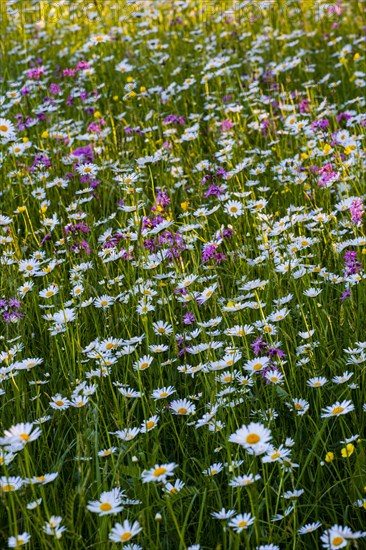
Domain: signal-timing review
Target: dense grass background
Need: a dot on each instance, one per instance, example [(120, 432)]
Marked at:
[(238, 72)]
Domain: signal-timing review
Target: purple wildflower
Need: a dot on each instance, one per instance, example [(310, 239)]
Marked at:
[(188, 318), (162, 199), (82, 65), (208, 252), (304, 106), (84, 153), (346, 294), (351, 264), (356, 210), (214, 190), (69, 72), (35, 74), (322, 123), (343, 116), (54, 89), (258, 345), (226, 125)]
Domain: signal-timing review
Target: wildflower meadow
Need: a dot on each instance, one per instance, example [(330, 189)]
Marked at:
[(182, 275)]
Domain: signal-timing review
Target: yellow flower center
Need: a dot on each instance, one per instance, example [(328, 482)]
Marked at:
[(144, 366), (126, 536), (25, 437), (159, 471), (182, 410), (257, 366), (337, 541), (40, 478), (105, 507), (252, 439), (242, 524), (337, 410), (8, 487), (164, 394), (59, 403), (275, 455), (3, 128), (150, 424)]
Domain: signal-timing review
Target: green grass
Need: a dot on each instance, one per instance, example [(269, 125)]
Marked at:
[(263, 64)]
